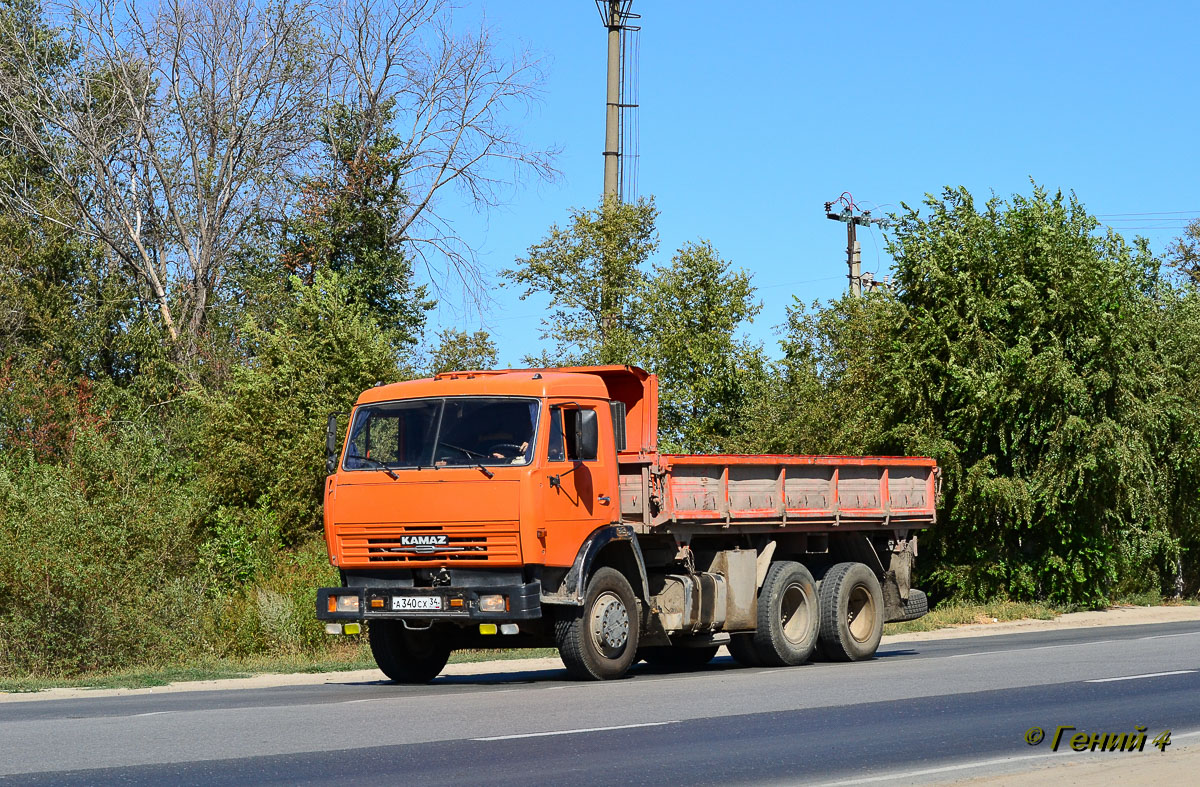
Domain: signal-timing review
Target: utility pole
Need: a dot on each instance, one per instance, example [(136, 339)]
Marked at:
[(612, 120), (853, 249), (621, 80)]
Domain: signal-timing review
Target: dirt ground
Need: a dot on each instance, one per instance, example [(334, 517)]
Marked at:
[(1179, 764)]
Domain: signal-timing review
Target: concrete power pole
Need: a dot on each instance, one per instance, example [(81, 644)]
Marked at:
[(621, 79), (612, 120), (853, 249)]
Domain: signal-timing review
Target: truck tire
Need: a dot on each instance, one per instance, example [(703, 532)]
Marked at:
[(599, 640), (676, 657), (408, 656), (915, 606), (741, 647), (788, 617), (851, 603)]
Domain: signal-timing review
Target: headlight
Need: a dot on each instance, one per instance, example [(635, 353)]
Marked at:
[(343, 603), (492, 604)]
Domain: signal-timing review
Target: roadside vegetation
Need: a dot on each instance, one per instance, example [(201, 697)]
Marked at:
[(177, 321)]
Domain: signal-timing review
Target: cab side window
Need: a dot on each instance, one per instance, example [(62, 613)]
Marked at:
[(558, 450), (573, 435)]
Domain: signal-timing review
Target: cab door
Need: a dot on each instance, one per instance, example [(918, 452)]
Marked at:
[(578, 478)]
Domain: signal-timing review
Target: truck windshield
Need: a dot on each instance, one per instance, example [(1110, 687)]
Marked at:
[(451, 432)]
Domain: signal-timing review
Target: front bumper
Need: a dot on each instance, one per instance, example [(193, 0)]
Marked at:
[(523, 601)]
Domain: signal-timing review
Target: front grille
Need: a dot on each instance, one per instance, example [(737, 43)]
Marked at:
[(377, 545)]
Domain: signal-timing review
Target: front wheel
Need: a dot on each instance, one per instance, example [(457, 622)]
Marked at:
[(408, 656), (599, 640)]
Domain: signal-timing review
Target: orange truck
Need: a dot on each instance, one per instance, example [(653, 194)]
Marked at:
[(531, 508)]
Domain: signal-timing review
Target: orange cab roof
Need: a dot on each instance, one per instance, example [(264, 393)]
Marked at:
[(585, 382)]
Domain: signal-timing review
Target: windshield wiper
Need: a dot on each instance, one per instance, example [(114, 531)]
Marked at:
[(387, 469), (469, 453)]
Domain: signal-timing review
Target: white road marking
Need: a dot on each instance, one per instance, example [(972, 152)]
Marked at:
[(966, 766), (1040, 647), (574, 732), (153, 713), (1147, 675), (1168, 636)]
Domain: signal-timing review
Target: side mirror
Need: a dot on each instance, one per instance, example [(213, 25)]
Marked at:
[(331, 444), (587, 434)]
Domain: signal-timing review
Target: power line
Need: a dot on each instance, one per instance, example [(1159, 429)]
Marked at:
[(1152, 213)]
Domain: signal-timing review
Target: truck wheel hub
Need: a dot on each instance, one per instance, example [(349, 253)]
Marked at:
[(610, 624)]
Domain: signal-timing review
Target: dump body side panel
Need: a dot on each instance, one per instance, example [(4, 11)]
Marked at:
[(812, 492)]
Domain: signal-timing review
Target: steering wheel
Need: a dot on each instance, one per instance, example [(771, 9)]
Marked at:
[(505, 448)]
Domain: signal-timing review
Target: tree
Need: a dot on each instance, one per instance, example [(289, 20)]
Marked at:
[(176, 132), (692, 311), (591, 271), (1183, 253), (170, 134), (453, 95), (459, 350), (1026, 357), (823, 395), (348, 223), (263, 438), (679, 320)]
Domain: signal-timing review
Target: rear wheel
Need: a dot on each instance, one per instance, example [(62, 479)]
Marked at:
[(741, 647), (851, 603), (677, 657), (787, 616), (599, 640), (408, 656)]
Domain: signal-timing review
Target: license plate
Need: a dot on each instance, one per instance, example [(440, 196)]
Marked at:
[(405, 603)]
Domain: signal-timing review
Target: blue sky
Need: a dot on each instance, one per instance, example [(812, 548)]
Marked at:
[(755, 114)]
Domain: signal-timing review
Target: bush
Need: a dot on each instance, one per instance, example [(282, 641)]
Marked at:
[(97, 558)]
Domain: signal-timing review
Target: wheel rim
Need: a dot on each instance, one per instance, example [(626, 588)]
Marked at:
[(609, 624), (795, 614), (860, 614)]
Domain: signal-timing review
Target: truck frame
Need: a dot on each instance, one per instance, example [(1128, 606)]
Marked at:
[(532, 508)]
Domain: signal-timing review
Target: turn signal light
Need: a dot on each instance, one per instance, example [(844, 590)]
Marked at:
[(456, 602)]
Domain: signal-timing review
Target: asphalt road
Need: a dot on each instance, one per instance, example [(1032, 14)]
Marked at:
[(921, 711)]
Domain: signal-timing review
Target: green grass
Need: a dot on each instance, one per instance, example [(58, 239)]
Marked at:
[(1154, 599), (948, 615), (354, 656), (207, 669)]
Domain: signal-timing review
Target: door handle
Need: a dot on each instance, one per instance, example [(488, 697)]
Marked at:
[(604, 500)]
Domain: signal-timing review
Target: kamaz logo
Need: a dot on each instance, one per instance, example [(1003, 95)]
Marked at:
[(427, 544), (424, 541)]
